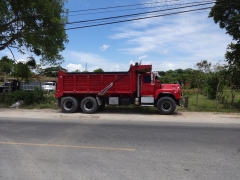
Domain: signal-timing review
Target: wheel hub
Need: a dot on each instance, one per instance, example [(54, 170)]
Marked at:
[(68, 105), (88, 105), (166, 106)]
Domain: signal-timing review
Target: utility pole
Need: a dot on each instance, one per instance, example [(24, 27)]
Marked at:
[(86, 68)]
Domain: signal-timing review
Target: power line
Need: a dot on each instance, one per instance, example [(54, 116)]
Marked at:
[(113, 7), (136, 14), (127, 20), (136, 8), (181, 12)]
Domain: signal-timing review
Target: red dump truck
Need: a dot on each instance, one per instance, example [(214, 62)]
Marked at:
[(92, 91)]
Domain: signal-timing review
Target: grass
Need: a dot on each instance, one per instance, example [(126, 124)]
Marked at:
[(204, 104), (208, 105), (49, 102), (49, 105)]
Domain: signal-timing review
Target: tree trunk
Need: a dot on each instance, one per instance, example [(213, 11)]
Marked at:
[(197, 93), (219, 80), (232, 93), (5, 77)]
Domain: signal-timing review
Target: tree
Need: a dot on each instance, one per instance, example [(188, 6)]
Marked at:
[(216, 82), (34, 27), (227, 14), (23, 69), (161, 73), (51, 71), (188, 78), (6, 66), (232, 73), (233, 69), (178, 75), (98, 70), (203, 67), (233, 54), (167, 79)]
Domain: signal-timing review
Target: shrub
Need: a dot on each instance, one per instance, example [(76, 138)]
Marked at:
[(32, 97), (238, 105)]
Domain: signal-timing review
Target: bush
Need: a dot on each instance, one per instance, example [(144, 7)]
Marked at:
[(211, 93), (238, 105), (32, 97)]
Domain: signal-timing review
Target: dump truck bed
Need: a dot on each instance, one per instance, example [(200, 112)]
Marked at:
[(93, 83)]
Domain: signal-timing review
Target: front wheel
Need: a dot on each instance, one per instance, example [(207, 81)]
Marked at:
[(89, 105), (166, 105)]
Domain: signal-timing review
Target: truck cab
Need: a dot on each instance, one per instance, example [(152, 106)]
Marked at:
[(11, 85), (49, 86), (152, 90), (150, 82)]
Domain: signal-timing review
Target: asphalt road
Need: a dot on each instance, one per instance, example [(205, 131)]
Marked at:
[(74, 149)]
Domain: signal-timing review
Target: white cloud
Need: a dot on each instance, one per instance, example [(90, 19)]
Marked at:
[(131, 62), (73, 67), (83, 57), (125, 33), (21, 60), (170, 66), (104, 47), (93, 61), (115, 67), (143, 57), (178, 41)]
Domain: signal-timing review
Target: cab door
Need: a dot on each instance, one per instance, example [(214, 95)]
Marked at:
[(147, 85)]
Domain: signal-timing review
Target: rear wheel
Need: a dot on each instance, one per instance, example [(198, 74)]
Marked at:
[(89, 105), (69, 104), (166, 105)]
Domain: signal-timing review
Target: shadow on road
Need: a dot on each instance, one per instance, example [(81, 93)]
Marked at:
[(140, 110)]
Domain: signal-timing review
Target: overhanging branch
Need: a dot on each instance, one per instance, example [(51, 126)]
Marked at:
[(13, 38), (12, 54)]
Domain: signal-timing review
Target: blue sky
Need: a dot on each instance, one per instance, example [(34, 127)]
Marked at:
[(169, 42)]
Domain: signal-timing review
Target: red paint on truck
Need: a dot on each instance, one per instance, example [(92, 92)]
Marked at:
[(139, 86)]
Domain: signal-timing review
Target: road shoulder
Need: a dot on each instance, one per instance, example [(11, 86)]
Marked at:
[(188, 117)]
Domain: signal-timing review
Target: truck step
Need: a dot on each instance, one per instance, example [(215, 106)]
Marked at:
[(147, 105)]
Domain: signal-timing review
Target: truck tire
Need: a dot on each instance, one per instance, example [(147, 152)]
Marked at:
[(69, 105), (89, 105), (166, 105)]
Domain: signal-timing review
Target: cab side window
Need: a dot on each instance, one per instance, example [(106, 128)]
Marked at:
[(147, 79)]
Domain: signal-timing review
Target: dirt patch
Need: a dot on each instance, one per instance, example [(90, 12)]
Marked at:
[(199, 117)]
